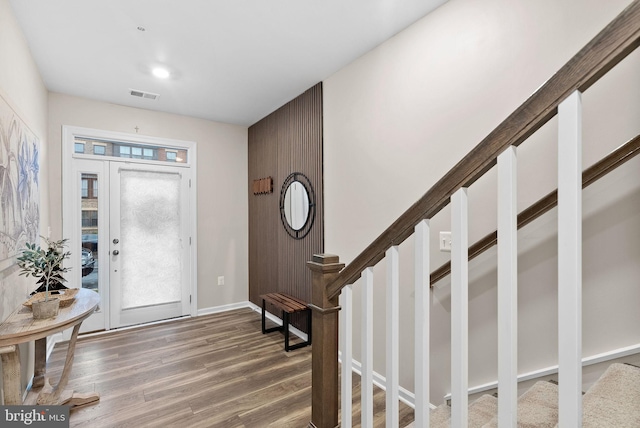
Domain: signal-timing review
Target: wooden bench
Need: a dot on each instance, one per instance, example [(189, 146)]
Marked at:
[(288, 305)]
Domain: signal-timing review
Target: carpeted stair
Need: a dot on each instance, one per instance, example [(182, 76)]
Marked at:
[(613, 401), (537, 408), (480, 412)]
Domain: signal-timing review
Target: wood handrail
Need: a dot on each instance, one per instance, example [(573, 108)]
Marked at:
[(608, 48), (590, 175)]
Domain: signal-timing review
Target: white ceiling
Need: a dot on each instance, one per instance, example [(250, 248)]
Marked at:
[(231, 61)]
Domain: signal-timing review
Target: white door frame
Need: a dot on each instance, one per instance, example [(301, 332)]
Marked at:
[(71, 197)]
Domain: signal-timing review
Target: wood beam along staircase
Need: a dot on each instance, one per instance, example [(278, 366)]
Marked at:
[(560, 95)]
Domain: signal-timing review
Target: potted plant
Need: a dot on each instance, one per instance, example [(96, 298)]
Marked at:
[(46, 265)]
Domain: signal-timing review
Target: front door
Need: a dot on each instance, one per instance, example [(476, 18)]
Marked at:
[(129, 224), (148, 242)]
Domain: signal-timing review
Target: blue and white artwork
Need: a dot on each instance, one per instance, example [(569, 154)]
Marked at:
[(19, 195)]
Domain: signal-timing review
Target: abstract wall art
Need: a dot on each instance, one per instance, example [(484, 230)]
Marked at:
[(19, 193)]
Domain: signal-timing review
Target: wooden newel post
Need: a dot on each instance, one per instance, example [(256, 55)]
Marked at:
[(324, 377)]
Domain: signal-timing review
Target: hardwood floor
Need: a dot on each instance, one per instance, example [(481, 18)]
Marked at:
[(211, 371)]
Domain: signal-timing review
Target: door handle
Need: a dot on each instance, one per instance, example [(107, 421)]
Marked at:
[(116, 252)]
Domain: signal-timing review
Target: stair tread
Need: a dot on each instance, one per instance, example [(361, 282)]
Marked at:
[(483, 410), (537, 407), (440, 417), (614, 400), (480, 412)]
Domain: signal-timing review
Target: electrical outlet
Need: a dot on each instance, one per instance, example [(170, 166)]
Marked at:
[(445, 242), (221, 280)]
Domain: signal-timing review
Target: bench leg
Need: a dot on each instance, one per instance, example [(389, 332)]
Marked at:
[(266, 330), (301, 344), (285, 324), (285, 328)]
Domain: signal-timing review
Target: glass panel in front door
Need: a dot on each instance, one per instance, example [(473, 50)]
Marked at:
[(87, 226), (151, 263), (89, 231), (149, 223)]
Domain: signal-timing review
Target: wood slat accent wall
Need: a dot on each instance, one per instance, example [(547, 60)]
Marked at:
[(288, 140)]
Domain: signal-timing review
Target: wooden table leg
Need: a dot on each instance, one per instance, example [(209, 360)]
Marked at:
[(11, 375), (57, 395), (40, 368)]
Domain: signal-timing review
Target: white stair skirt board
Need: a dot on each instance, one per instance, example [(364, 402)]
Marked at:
[(404, 395), (547, 371)]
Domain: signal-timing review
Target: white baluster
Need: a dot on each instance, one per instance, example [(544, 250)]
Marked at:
[(507, 289), (459, 309), (393, 283), (422, 326), (366, 381), (570, 261), (346, 347)]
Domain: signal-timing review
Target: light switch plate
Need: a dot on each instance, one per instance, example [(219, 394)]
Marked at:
[(445, 242)]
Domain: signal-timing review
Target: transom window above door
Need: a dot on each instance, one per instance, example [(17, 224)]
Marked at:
[(119, 149)]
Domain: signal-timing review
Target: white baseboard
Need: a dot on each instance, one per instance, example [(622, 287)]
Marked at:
[(253, 307), (223, 308)]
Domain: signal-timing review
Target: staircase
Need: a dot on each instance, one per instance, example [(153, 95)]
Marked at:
[(613, 401)]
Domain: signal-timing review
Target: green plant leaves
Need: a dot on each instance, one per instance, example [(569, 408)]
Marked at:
[(45, 264)]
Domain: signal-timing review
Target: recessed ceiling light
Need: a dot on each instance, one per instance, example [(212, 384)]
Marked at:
[(161, 73)]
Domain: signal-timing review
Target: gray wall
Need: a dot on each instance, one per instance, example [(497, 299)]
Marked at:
[(22, 87)]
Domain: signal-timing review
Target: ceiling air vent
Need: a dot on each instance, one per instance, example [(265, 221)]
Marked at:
[(143, 94)]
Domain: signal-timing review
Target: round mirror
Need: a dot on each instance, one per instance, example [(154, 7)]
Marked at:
[(297, 205)]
